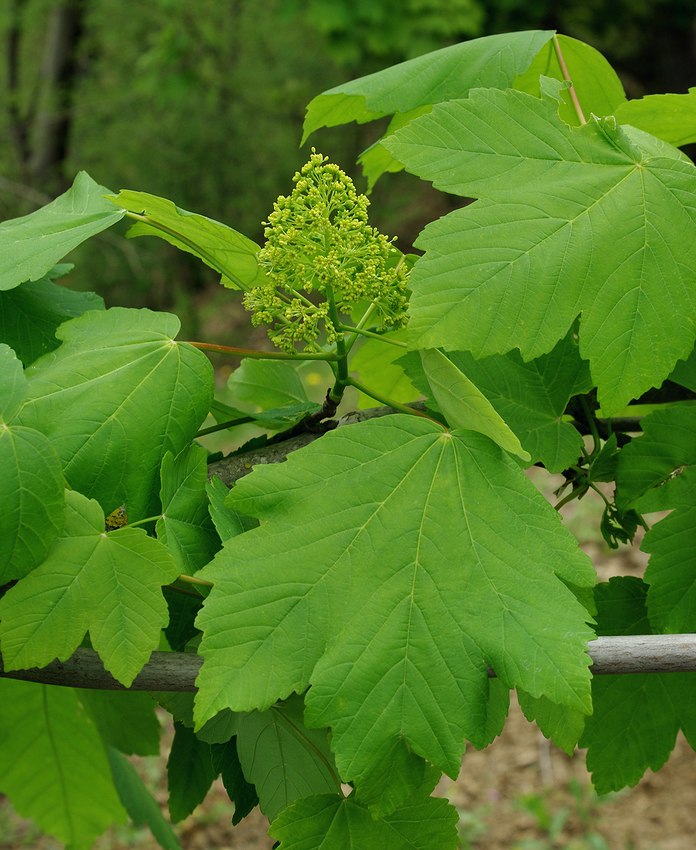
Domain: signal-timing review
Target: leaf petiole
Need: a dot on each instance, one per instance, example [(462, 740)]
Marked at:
[(592, 425), (301, 736), (222, 426), (193, 580), (389, 402), (261, 355), (336, 392), (566, 77), (194, 246), (372, 335), (144, 521), (360, 325)]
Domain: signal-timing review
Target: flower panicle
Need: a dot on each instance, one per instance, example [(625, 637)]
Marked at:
[(322, 258)]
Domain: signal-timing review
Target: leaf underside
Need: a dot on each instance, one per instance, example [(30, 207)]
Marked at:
[(227, 251), (53, 767), (30, 246)]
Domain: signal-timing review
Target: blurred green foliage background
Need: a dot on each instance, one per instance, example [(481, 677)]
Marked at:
[(202, 101)]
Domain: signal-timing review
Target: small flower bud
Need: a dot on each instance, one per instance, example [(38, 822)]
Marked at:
[(319, 243)]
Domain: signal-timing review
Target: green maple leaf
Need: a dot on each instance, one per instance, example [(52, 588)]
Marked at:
[(30, 315), (330, 822), (598, 220), (671, 117), (227, 251), (190, 772), (491, 61), (379, 368), (283, 759), (31, 245), (532, 397), (657, 472), (463, 403), (409, 89), (126, 721), (185, 526), (635, 725), (394, 631), (596, 84), (141, 806), (107, 584), (54, 768), (31, 484), (636, 716), (116, 396)]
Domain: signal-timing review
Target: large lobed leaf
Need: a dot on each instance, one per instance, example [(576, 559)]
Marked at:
[(54, 767), (598, 220), (117, 395), (107, 584), (425, 555)]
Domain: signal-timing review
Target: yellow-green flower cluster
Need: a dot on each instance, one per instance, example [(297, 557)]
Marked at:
[(322, 259)]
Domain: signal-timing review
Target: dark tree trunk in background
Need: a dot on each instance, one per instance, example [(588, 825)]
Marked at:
[(40, 120), (59, 77), (17, 124)]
